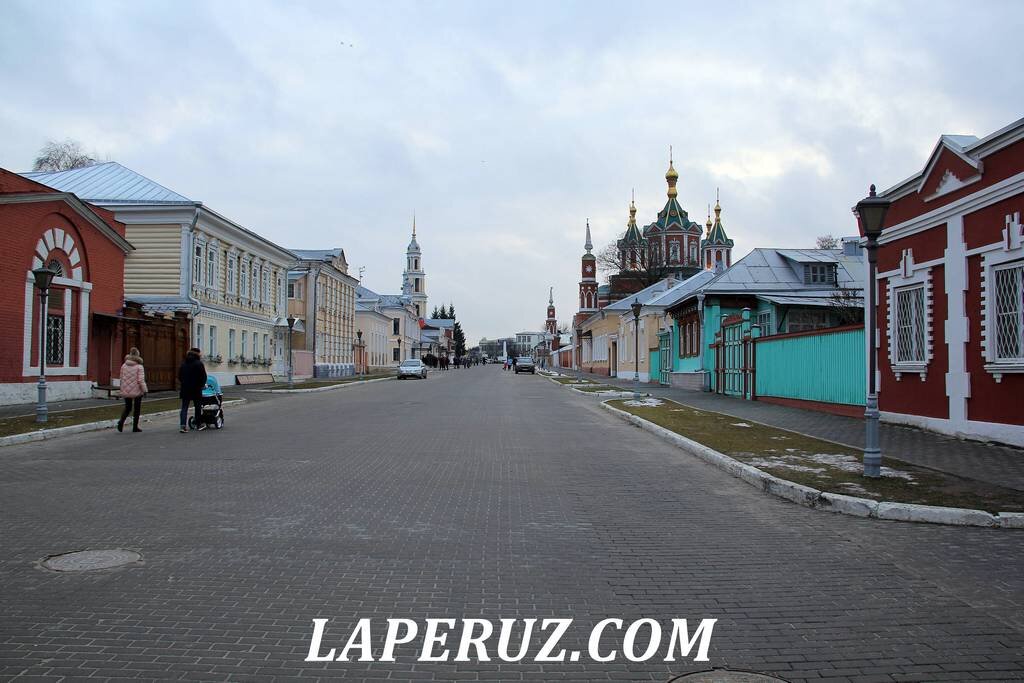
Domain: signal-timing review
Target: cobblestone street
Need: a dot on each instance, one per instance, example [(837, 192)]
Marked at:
[(475, 493)]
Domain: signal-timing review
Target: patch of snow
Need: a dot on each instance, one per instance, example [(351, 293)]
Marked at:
[(849, 463), (645, 403), (787, 463), (740, 424)]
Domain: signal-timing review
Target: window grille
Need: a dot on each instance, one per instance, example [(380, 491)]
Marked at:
[(56, 267), (54, 339), (1009, 298), (910, 334)]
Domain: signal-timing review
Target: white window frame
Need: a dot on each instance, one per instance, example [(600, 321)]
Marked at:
[(232, 273), (211, 266), (231, 343), (908, 277), (243, 277), (1009, 254), (198, 258), (213, 341)]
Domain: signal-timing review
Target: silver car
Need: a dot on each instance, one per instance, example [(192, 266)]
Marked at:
[(412, 367)]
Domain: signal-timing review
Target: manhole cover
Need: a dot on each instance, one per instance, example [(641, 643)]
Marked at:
[(726, 676), (89, 560)]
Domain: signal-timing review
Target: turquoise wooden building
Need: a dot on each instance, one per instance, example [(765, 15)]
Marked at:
[(783, 325)]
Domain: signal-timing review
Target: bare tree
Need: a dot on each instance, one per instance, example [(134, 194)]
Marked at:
[(848, 305), (646, 273), (827, 242), (61, 156)]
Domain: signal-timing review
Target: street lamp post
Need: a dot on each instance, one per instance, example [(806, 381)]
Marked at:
[(362, 353), (635, 307), (291, 376), (871, 212), (44, 278)]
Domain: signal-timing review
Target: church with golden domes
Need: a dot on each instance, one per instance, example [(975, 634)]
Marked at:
[(670, 246)]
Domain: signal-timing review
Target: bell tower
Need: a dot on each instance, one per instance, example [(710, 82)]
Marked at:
[(588, 275), (414, 278), (551, 324)]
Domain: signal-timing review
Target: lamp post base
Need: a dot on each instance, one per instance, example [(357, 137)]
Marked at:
[(42, 412), (636, 386), (872, 448)]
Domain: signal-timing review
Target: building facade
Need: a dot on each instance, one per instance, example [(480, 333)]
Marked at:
[(320, 281), (376, 327), (950, 321)]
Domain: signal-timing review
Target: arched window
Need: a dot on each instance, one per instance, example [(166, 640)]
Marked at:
[(57, 267)]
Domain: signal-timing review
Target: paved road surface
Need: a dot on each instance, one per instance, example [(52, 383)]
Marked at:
[(476, 493)]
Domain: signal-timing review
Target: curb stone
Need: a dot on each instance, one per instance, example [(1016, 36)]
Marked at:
[(56, 432), (829, 502), (332, 387)]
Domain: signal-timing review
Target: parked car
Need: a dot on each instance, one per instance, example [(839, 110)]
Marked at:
[(525, 364), (412, 367)]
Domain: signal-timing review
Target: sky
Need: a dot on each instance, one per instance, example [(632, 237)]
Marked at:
[(505, 126)]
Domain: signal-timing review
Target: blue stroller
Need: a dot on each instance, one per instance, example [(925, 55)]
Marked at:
[(212, 414)]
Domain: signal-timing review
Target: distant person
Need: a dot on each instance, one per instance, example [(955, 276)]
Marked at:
[(513, 363), (192, 380), (133, 388)]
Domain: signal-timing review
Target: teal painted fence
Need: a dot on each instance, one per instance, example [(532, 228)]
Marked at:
[(824, 365)]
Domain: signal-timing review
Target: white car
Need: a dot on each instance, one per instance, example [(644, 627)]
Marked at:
[(412, 367)]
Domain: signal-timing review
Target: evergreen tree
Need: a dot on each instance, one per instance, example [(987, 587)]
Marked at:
[(443, 313), (451, 311), (459, 337), (435, 315)]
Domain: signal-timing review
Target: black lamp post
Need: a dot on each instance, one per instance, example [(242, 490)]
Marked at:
[(635, 307), (871, 213), (291, 326), (44, 278), (362, 355)]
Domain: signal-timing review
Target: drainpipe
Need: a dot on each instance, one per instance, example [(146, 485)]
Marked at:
[(196, 305), (706, 380)]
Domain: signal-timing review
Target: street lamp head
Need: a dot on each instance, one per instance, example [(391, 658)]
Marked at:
[(291, 322), (871, 214), (44, 277), (635, 307), (359, 335)]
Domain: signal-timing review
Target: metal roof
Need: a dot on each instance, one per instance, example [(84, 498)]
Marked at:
[(318, 254), (767, 270), (820, 300), (643, 296), (109, 183), (808, 255), (683, 289)]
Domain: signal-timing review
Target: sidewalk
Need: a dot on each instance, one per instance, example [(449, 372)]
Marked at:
[(1002, 465)]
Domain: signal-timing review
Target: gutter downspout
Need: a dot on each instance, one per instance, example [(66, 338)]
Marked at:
[(706, 380), (197, 307)]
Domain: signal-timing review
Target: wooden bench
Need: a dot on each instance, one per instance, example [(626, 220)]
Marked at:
[(255, 378)]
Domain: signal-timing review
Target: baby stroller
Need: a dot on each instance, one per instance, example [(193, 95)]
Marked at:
[(212, 413)]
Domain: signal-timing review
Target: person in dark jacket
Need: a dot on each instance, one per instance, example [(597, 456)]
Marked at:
[(191, 379)]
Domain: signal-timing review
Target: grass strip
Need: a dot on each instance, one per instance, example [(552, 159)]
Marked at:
[(66, 418), (823, 465)]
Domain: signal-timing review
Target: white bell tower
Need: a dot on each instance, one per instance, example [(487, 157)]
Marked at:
[(415, 279)]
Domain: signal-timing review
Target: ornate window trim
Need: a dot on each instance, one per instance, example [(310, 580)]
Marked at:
[(1007, 254), (909, 276)]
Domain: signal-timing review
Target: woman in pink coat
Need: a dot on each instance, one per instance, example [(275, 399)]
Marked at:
[(133, 387)]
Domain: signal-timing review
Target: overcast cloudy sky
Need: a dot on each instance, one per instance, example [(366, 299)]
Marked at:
[(505, 125)]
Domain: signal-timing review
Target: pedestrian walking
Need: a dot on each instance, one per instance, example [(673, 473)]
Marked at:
[(192, 379), (133, 388)]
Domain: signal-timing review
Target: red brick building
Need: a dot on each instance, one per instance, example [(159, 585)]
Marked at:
[(42, 226), (950, 285)]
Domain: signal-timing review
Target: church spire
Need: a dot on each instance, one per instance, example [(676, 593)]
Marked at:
[(671, 176), (708, 224), (589, 244), (551, 296), (414, 225)]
